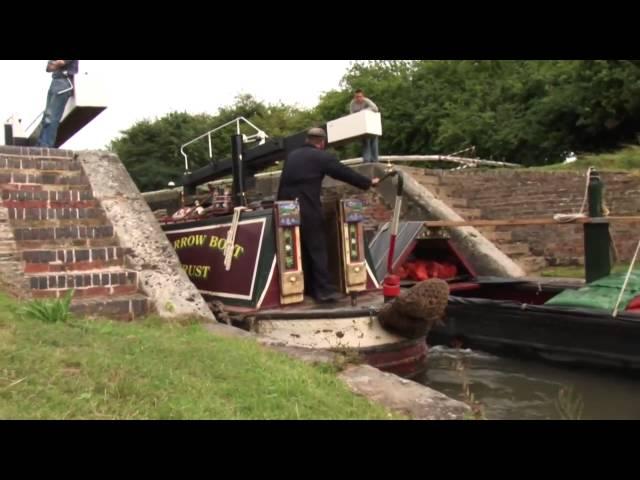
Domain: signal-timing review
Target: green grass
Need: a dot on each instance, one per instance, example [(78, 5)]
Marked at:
[(50, 310), (626, 159), (84, 369), (578, 271)]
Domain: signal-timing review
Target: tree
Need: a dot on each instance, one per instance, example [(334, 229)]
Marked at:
[(524, 111), (150, 150)]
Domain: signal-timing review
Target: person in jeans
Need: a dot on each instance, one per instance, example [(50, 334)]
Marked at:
[(370, 142), (60, 91)]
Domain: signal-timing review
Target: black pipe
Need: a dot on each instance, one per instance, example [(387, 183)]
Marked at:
[(400, 185), (239, 199)]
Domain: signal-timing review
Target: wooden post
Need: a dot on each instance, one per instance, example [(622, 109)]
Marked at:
[(597, 246)]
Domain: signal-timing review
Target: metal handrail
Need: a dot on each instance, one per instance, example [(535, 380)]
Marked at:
[(259, 134)]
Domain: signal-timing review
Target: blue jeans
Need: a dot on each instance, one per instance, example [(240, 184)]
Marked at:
[(370, 149), (53, 111)]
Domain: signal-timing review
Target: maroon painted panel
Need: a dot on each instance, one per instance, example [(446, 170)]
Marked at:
[(201, 252)]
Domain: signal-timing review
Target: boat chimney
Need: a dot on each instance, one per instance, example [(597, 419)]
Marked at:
[(238, 184)]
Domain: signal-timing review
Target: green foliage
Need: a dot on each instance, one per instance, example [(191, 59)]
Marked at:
[(530, 112), (49, 311), (625, 159), (150, 150)]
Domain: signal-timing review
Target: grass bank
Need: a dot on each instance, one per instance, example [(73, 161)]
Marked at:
[(84, 369), (625, 159)]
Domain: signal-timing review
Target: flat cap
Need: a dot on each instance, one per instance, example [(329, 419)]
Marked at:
[(316, 132)]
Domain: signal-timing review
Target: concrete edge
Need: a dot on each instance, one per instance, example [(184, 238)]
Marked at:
[(161, 276)]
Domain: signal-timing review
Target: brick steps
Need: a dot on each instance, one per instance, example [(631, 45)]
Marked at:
[(126, 307), (469, 213), (515, 248), (103, 282), (73, 260), (39, 163), (61, 243), (36, 187), (509, 194), (36, 152), (67, 267), (427, 180), (34, 162), (87, 292), (440, 191), (498, 237), (65, 233), (73, 255), (46, 196), (61, 213), (42, 176), (458, 199), (49, 204), (454, 202), (34, 223), (60, 236)]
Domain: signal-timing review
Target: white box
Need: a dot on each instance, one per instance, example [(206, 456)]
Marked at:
[(88, 92), (365, 122)]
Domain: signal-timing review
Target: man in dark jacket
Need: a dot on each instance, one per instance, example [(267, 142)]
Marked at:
[(301, 179)]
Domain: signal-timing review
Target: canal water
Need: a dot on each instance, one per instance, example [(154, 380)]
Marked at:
[(508, 388)]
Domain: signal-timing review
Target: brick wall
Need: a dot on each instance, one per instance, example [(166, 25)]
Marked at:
[(55, 236), (519, 194)]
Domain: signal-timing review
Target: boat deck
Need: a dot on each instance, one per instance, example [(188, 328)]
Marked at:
[(365, 302)]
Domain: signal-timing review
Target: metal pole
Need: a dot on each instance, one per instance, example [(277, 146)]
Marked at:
[(394, 224), (626, 280), (236, 168)]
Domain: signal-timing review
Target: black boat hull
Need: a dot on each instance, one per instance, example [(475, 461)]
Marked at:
[(563, 335)]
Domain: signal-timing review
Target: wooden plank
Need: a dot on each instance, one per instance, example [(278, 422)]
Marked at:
[(528, 221)]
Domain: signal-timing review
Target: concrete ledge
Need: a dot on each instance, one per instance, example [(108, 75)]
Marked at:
[(405, 396), (161, 275)]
